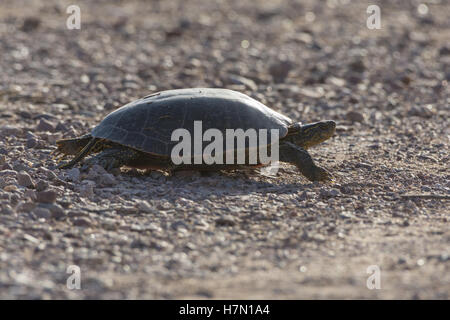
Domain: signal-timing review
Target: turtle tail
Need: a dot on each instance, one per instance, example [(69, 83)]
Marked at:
[(71, 146), (83, 153)]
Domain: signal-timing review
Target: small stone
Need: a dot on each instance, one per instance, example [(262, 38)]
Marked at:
[(156, 174), (9, 130), (179, 225), (108, 179), (225, 221), (73, 174), (41, 185), (57, 212), (248, 83), (8, 172), (10, 188), (144, 206), (25, 206), (42, 213), (21, 166), (6, 209), (30, 194), (127, 210), (52, 176), (346, 215), (357, 66), (355, 116), (4, 195), (31, 142), (87, 191), (280, 70), (48, 196), (82, 222), (328, 193), (30, 24), (2, 160), (426, 111), (29, 135), (444, 50), (95, 171), (61, 127), (45, 125), (24, 179), (6, 166), (53, 137), (411, 206)]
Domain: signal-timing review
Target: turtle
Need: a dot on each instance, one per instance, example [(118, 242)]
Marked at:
[(139, 133)]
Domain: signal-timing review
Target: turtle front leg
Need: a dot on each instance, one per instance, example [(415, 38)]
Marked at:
[(294, 154)]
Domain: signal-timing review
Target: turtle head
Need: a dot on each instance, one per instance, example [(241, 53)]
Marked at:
[(314, 133)]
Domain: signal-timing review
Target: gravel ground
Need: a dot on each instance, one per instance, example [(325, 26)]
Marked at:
[(236, 234)]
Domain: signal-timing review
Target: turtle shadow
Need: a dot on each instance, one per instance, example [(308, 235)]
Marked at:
[(221, 184)]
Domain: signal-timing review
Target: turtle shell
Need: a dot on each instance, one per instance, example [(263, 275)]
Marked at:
[(147, 124)]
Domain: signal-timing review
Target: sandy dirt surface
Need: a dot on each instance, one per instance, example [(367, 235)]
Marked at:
[(236, 235)]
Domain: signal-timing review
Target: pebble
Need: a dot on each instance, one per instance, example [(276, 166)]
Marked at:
[(21, 166), (248, 83), (8, 172), (25, 206), (225, 221), (30, 194), (10, 188), (9, 130), (73, 174), (42, 213), (127, 210), (444, 50), (179, 225), (346, 215), (426, 111), (327, 193), (355, 116), (6, 209), (45, 125), (82, 222), (108, 179), (87, 190), (32, 142), (95, 171), (280, 70), (48, 196), (357, 66), (57, 212), (24, 179), (2, 160), (4, 195), (30, 23), (51, 175), (41, 185), (144, 206), (7, 166)]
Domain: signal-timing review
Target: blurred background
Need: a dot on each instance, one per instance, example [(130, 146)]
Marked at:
[(125, 49)]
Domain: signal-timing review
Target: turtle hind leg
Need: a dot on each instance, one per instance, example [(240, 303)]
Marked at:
[(294, 154), (83, 153), (71, 146)]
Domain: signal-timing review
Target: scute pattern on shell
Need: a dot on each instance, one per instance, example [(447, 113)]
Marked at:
[(147, 124)]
